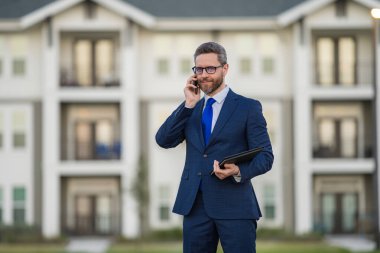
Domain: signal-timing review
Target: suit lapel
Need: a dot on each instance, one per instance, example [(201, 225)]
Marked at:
[(198, 123), (228, 108)]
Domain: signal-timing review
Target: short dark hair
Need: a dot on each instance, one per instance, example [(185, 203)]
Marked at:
[(212, 47)]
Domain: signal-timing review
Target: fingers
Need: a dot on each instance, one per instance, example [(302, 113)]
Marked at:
[(220, 173), (229, 170), (190, 82), (191, 96)]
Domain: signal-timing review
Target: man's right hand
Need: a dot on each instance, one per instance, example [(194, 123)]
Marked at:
[(190, 96)]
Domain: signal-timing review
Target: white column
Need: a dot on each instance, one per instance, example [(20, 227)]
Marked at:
[(30, 187), (377, 104), (130, 129), (302, 133), (51, 196)]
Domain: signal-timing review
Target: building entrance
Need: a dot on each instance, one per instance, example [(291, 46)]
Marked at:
[(339, 212)]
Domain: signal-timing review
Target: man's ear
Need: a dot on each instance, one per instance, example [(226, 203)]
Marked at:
[(225, 69)]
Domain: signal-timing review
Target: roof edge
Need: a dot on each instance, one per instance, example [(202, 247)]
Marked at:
[(46, 11), (125, 9), (120, 7), (290, 16), (293, 14)]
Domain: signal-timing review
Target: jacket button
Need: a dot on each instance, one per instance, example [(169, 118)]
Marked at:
[(199, 174), (204, 155)]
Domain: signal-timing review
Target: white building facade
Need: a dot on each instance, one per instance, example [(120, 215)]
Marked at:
[(84, 86)]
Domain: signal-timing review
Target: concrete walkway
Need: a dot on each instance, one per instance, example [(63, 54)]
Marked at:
[(354, 243), (88, 244)]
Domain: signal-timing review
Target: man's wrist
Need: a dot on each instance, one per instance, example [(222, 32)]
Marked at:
[(190, 105)]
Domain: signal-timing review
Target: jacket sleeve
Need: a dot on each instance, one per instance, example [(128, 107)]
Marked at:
[(172, 132), (257, 136)]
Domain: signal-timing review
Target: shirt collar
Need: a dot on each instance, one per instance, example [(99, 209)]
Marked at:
[(220, 96)]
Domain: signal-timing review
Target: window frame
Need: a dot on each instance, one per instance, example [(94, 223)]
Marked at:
[(19, 205), (337, 138), (336, 66)]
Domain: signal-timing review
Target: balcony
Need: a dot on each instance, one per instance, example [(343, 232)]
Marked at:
[(342, 59), (89, 60), (90, 131), (344, 74), (69, 79), (342, 130)]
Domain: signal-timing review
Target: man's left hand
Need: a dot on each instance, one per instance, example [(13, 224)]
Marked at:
[(229, 170)]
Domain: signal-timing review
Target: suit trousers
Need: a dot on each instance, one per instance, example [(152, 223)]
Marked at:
[(201, 233)]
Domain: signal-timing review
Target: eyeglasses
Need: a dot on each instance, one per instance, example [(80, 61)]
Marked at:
[(209, 69)]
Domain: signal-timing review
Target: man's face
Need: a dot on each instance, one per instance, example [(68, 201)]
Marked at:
[(211, 84)]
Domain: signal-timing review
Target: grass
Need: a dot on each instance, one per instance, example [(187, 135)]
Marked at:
[(31, 248), (262, 247), (176, 247)]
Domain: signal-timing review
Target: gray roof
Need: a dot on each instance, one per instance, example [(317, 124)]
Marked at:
[(214, 8), (12, 9)]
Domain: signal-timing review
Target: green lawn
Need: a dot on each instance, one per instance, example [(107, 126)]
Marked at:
[(31, 248), (176, 247), (262, 247)]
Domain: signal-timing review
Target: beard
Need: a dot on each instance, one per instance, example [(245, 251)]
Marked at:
[(215, 84)]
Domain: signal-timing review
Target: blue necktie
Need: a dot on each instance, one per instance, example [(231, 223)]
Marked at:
[(207, 120)]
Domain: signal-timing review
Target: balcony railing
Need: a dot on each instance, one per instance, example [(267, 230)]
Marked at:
[(363, 224), (93, 225), (347, 74), (99, 151), (68, 79)]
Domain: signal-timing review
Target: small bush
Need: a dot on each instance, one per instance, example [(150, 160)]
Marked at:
[(20, 234), (282, 234), (173, 234)]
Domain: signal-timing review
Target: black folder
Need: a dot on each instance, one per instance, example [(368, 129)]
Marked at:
[(240, 157)]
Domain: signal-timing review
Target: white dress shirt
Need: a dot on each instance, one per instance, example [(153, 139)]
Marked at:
[(216, 108)]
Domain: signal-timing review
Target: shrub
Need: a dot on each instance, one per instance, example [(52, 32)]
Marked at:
[(173, 234), (20, 234), (282, 234)]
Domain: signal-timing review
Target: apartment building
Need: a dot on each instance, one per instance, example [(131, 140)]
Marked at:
[(85, 84)]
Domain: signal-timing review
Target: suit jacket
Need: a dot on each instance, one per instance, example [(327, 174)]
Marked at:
[(239, 127)]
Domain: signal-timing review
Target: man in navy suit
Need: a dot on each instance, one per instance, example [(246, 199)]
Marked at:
[(217, 203)]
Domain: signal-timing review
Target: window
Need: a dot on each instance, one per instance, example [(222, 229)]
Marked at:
[(270, 118), (93, 64), (268, 65), (162, 49), (268, 50), (1, 130), (2, 50), (341, 8), (245, 48), (18, 67), (163, 66), (245, 66), (184, 45), (186, 66), (337, 137), (269, 202), (336, 61), (1, 206), (19, 52), (164, 210), (95, 140), (19, 129), (90, 9), (19, 196), (90, 132)]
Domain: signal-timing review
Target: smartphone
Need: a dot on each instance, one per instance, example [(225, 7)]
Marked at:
[(195, 83)]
